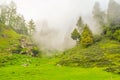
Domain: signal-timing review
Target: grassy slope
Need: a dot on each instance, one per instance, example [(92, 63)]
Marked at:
[(109, 48), (105, 53), (8, 38), (44, 69)]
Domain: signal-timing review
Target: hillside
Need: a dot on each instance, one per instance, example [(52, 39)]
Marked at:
[(13, 43), (8, 38), (105, 53)]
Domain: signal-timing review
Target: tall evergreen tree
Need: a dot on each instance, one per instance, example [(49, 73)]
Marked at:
[(31, 26), (8, 14), (80, 24), (12, 14), (98, 14), (3, 13), (10, 18), (75, 35), (20, 25), (86, 36), (113, 11)]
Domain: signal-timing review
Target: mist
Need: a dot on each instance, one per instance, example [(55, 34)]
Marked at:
[(55, 19)]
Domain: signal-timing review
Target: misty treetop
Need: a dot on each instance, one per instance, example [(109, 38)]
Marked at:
[(113, 11), (98, 14), (31, 26), (14, 20), (80, 24), (106, 16)]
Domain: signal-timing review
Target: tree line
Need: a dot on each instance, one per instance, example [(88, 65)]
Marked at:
[(11, 19), (109, 20)]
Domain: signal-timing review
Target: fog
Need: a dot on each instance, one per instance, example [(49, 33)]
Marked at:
[(55, 19)]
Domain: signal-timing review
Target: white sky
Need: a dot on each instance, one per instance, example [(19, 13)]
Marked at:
[(53, 9)]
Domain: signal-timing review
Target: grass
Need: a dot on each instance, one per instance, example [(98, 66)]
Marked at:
[(105, 53), (22, 67), (45, 69), (8, 38)]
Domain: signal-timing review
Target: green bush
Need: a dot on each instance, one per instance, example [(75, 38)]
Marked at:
[(85, 57), (17, 49), (36, 52), (97, 38), (115, 69), (116, 35), (7, 60)]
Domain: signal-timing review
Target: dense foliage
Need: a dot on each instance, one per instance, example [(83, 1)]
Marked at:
[(86, 37), (102, 54), (75, 35)]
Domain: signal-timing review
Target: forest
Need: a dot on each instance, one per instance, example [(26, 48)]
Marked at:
[(29, 51)]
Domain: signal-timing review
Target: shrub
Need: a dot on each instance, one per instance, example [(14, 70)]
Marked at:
[(97, 38), (115, 69), (35, 50), (86, 57), (116, 35)]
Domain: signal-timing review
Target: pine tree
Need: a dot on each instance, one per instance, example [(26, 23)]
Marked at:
[(80, 24), (31, 26), (75, 35), (98, 14), (86, 36), (113, 11)]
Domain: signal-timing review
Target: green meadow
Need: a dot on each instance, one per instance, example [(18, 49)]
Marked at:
[(45, 69)]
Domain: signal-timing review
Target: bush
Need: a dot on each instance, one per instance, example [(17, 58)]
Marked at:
[(116, 35), (97, 38), (6, 59), (85, 57), (35, 50), (115, 69), (17, 49)]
